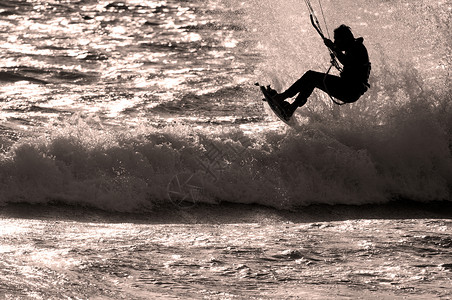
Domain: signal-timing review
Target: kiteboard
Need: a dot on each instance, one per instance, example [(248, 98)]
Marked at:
[(275, 106)]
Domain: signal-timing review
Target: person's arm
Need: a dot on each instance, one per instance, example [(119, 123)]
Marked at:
[(339, 54)]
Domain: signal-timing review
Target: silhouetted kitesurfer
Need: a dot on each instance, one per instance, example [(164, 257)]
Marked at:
[(348, 87)]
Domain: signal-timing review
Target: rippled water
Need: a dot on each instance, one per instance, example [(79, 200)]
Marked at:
[(125, 63), (365, 259)]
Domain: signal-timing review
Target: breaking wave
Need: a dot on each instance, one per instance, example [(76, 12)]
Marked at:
[(355, 155)]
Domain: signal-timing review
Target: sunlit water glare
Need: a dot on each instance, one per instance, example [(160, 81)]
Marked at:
[(365, 259)]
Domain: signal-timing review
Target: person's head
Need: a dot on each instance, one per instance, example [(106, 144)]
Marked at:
[(343, 37)]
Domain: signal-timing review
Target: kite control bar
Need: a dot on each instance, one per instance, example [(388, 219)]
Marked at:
[(316, 25)]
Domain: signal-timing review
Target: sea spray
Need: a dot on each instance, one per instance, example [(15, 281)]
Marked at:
[(323, 161)]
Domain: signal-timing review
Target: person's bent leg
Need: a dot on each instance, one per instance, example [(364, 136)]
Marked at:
[(333, 85), (340, 89), (303, 86)]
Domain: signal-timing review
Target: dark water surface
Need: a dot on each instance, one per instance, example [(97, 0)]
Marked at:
[(226, 252)]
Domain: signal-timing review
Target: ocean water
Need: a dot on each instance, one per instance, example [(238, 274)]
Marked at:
[(126, 105), (354, 259)]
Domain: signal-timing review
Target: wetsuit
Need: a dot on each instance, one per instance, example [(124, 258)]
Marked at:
[(348, 87)]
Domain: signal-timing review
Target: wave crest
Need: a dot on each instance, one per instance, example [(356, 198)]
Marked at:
[(326, 160)]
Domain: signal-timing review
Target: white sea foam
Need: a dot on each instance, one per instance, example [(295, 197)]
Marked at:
[(335, 160)]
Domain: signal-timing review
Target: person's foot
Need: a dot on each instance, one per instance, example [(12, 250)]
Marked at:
[(270, 91), (279, 98), (285, 105), (289, 109)]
